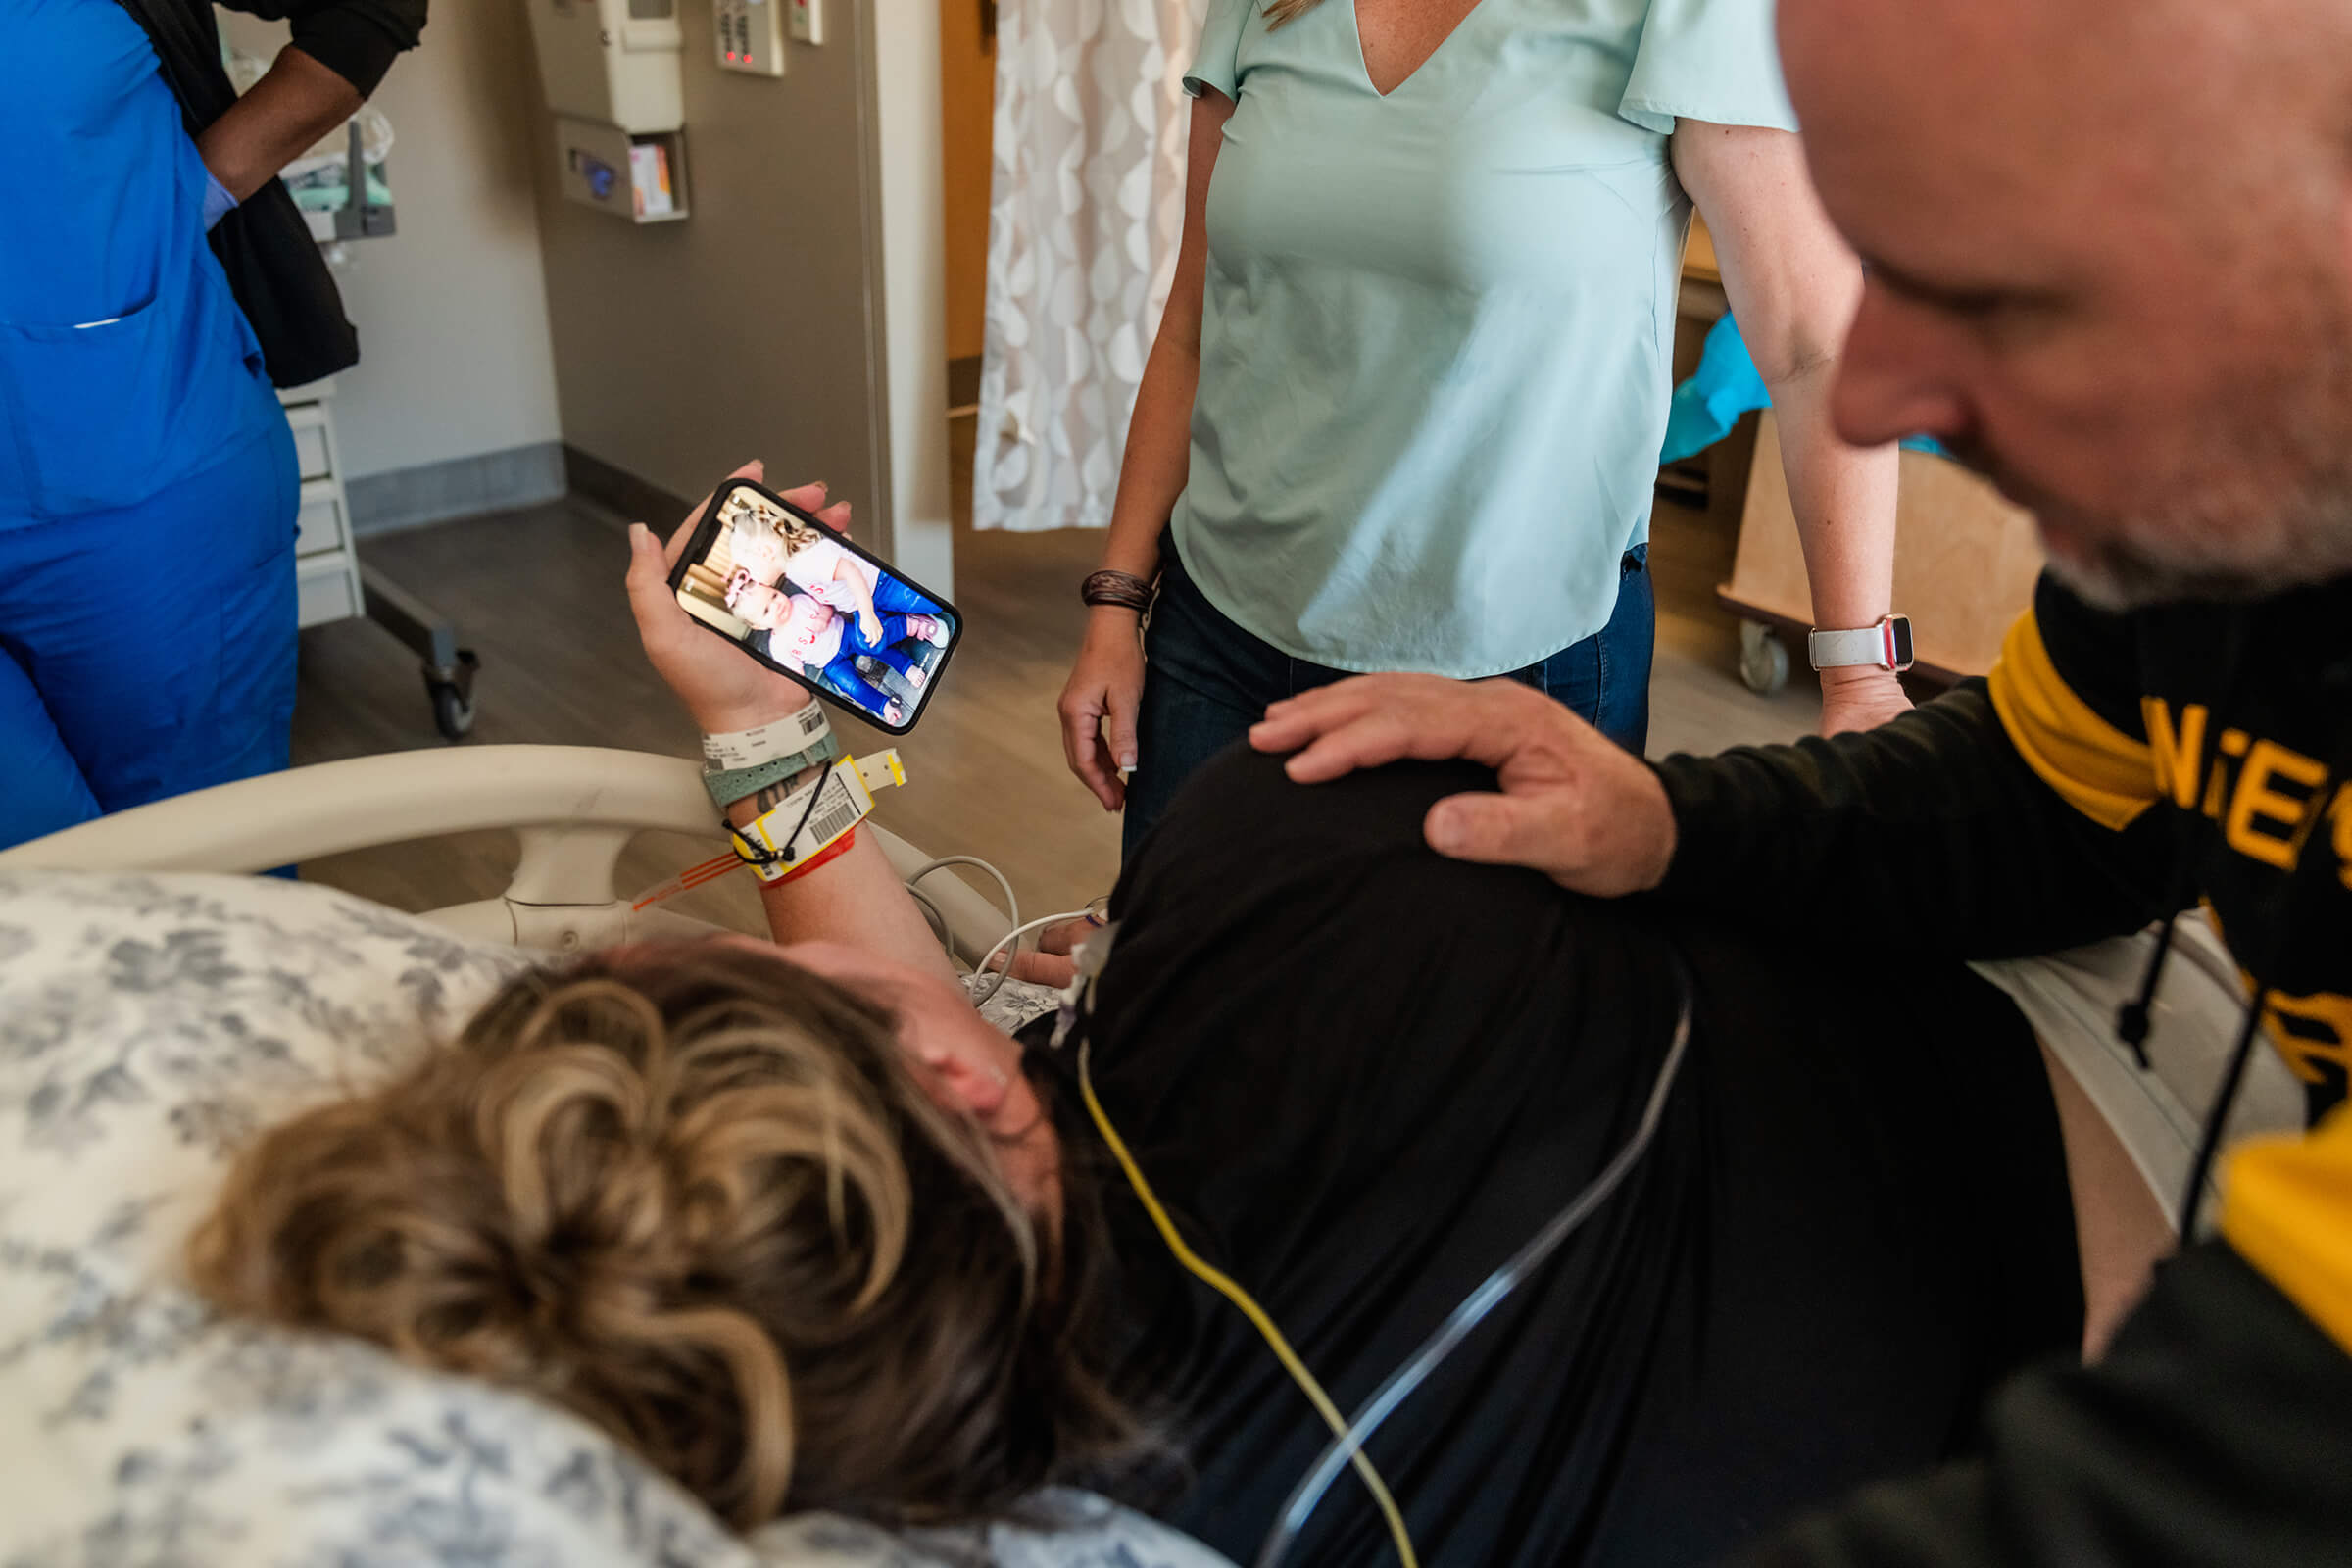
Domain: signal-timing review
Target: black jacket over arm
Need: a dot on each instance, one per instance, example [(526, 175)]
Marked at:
[(2010, 816), (273, 265)]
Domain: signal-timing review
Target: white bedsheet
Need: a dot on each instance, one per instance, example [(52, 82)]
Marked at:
[(147, 1025)]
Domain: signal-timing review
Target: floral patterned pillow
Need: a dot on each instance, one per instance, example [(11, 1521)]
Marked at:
[(148, 1024)]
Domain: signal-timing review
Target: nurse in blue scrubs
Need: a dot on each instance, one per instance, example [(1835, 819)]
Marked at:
[(147, 477)]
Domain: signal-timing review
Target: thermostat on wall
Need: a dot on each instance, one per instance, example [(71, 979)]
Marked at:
[(751, 35)]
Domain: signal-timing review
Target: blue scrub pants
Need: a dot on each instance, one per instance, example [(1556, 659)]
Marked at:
[(1206, 681), (149, 650)]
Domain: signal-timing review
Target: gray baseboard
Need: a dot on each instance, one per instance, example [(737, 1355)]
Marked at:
[(461, 487), (619, 491)]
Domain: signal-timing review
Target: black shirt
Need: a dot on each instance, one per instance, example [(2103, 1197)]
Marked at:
[(1362, 1076)]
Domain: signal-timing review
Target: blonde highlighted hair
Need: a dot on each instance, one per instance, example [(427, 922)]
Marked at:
[(1279, 12), (698, 1198)]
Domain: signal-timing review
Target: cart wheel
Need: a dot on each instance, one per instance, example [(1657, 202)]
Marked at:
[(1763, 658), (453, 714), (450, 689)]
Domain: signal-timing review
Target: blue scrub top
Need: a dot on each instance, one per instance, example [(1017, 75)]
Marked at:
[(124, 362), (1437, 326)]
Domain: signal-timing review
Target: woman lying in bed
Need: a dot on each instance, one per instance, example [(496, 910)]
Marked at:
[(793, 1221)]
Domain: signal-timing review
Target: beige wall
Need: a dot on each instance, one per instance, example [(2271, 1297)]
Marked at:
[(683, 348), (451, 310)]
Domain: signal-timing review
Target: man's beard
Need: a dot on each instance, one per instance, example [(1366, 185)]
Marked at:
[(2263, 505)]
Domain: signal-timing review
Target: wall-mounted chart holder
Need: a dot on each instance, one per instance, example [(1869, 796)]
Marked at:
[(610, 69), (641, 177)]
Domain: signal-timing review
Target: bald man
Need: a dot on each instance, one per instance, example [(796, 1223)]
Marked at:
[(2110, 262)]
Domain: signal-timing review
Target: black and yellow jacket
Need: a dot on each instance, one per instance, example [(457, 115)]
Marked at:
[(2111, 770)]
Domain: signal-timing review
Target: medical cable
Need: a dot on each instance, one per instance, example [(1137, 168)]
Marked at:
[(1013, 904), (1008, 939), (937, 921), (1224, 1285), (1347, 1446)]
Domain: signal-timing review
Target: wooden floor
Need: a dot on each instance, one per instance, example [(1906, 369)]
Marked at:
[(538, 595)]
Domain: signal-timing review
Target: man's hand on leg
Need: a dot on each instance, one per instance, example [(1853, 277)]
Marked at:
[(1573, 805)]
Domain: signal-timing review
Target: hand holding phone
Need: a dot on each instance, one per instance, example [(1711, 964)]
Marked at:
[(723, 689), (772, 577)]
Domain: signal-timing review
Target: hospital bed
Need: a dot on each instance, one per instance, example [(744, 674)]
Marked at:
[(573, 809), (151, 1007), (154, 1011)]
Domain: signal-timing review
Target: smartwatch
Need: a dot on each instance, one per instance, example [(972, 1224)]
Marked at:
[(1887, 645)]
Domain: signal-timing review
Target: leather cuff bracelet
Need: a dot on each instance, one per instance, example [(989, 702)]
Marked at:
[(1122, 589)]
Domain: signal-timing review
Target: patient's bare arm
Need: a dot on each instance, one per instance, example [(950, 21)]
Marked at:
[(854, 898)]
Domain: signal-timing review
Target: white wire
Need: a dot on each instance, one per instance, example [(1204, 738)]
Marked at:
[(931, 917), (1013, 906), (1473, 1307), (1013, 936)]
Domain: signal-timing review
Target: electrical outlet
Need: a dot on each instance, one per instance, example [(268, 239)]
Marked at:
[(807, 20), (750, 35)]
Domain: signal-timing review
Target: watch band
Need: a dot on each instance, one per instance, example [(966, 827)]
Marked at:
[(1887, 646), (734, 784)]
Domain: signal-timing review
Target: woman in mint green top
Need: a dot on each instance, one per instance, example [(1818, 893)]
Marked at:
[(1422, 325)]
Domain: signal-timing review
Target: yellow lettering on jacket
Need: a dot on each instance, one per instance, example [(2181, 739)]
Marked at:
[(2325, 1035), (2176, 748), (2254, 803), (2341, 812)]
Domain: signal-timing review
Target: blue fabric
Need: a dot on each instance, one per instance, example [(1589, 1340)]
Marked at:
[(893, 602), (149, 650), (1207, 681), (1726, 385), (1434, 364), (148, 486), (894, 598), (124, 362)]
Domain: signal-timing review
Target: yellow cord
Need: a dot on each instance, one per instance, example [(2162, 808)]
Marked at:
[(1239, 1298)]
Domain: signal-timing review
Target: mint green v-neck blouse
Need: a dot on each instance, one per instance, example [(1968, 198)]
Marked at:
[(1437, 326)]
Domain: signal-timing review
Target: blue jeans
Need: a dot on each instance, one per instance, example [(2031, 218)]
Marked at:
[(893, 602), (1206, 681), (149, 650)]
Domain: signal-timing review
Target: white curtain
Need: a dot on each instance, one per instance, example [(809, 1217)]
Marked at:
[(1084, 210)]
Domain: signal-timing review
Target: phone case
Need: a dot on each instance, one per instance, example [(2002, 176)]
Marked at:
[(698, 546)]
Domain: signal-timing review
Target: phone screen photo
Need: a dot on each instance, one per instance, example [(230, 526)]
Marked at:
[(802, 599)]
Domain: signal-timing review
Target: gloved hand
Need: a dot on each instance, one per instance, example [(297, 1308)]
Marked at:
[(218, 203)]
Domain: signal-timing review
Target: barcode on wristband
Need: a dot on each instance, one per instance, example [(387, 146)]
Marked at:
[(833, 820), (812, 722)]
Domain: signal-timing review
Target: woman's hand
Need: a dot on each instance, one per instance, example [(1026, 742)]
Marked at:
[(725, 688), (1860, 698), (1106, 684)]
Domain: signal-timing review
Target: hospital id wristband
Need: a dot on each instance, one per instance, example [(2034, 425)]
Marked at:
[(786, 737), (791, 835), (742, 783)]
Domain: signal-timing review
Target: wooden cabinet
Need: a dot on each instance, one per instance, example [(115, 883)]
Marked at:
[(1965, 561)]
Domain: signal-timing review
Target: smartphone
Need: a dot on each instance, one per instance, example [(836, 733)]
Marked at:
[(810, 603)]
